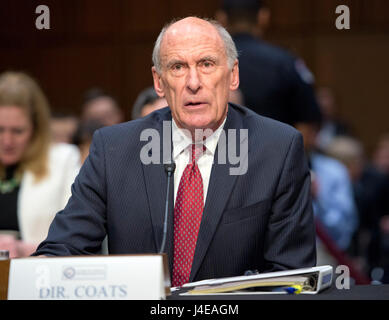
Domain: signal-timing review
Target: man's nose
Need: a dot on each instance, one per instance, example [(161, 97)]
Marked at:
[(193, 80)]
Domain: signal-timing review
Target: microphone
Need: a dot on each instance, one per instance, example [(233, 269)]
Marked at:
[(169, 169)]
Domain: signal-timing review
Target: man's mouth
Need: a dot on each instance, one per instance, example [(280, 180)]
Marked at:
[(194, 103)]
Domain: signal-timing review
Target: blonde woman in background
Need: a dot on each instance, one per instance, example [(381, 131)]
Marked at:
[(35, 175)]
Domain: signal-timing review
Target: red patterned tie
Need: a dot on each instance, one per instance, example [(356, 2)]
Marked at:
[(188, 210)]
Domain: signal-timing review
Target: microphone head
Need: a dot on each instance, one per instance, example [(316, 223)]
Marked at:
[(170, 167)]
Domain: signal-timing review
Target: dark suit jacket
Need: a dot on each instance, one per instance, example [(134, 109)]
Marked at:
[(260, 220), (274, 83)]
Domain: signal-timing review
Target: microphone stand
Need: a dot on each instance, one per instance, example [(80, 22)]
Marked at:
[(169, 169)]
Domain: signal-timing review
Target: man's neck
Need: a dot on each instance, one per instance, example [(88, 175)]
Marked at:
[(199, 134)]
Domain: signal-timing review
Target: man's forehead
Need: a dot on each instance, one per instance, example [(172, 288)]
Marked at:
[(191, 25), (190, 35)]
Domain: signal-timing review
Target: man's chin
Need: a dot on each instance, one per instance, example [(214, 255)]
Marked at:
[(200, 130), (198, 124), (199, 121)]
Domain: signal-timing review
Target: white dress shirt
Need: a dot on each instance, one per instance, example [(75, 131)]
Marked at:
[(181, 155)]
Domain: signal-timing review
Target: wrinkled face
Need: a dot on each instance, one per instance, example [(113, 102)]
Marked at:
[(15, 134), (195, 78)]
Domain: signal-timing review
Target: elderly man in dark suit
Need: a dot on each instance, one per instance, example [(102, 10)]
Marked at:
[(221, 222)]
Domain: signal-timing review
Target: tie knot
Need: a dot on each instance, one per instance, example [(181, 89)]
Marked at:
[(197, 151)]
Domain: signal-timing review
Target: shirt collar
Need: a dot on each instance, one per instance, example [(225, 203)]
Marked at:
[(181, 141)]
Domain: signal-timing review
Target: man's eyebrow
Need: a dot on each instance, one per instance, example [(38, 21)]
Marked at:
[(173, 62), (202, 59), (208, 58)]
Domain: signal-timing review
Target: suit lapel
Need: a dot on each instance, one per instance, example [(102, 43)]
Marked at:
[(156, 183), (220, 187)]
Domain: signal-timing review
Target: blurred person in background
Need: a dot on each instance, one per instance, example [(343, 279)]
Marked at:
[(381, 162), (35, 175), (274, 83), (63, 127), (381, 154), (83, 136), (332, 193), (147, 102), (371, 196), (101, 107), (331, 126)]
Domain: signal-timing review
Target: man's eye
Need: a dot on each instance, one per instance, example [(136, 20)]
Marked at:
[(207, 64), (177, 67)]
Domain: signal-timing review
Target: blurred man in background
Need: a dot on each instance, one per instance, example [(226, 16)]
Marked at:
[(101, 107), (332, 125), (147, 102), (333, 201), (98, 110), (273, 82), (381, 154)]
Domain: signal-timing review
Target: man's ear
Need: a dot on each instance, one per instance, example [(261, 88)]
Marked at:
[(158, 85), (235, 76)]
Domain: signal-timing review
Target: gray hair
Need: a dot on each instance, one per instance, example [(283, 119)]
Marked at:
[(231, 52)]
